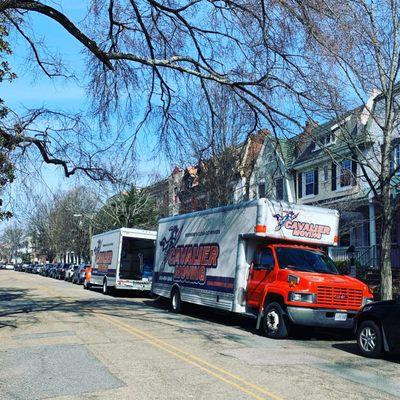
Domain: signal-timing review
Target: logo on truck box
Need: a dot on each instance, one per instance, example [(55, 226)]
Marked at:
[(102, 259), (190, 261), (288, 220)]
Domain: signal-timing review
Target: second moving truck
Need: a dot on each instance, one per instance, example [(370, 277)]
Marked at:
[(122, 259), (263, 258)]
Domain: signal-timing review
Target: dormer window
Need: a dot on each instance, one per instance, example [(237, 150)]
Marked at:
[(330, 138)]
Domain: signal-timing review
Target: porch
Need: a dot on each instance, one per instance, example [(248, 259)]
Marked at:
[(367, 256)]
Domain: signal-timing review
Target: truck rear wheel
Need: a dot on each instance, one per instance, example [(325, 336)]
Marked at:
[(175, 304), (106, 289), (274, 324)]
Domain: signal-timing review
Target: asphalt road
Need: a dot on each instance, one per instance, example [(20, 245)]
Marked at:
[(58, 341)]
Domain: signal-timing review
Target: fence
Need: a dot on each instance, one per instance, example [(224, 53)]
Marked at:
[(367, 256)]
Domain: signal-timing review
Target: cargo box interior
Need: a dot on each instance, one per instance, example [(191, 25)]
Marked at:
[(137, 258)]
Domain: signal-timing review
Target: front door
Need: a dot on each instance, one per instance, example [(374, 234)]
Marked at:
[(260, 271)]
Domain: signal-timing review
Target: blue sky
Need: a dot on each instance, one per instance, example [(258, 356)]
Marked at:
[(32, 89)]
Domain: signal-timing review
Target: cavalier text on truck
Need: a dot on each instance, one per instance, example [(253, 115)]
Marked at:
[(262, 258)]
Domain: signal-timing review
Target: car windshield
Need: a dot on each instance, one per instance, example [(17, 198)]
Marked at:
[(305, 260)]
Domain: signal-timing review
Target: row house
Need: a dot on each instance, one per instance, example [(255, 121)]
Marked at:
[(322, 167), (223, 179), (165, 193)]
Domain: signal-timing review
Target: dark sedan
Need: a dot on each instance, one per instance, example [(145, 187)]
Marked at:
[(378, 328)]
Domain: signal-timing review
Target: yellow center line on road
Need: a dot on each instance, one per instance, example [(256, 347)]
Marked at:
[(217, 372), (195, 361)]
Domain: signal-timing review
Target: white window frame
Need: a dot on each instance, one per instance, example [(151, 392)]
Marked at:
[(311, 172), (325, 172), (396, 159), (332, 136)]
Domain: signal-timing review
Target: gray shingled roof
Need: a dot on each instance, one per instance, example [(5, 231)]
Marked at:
[(320, 130)]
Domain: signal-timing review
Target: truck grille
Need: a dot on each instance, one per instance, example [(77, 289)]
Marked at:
[(339, 297)]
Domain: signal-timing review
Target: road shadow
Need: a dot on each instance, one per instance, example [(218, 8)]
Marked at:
[(17, 304), (352, 348), (19, 308), (207, 314)]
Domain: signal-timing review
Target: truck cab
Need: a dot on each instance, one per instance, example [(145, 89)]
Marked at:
[(296, 284)]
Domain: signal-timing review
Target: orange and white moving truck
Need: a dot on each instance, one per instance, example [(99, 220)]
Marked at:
[(262, 258)]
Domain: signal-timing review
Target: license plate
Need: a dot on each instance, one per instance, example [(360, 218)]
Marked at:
[(340, 316)]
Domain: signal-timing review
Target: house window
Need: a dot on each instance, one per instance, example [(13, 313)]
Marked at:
[(261, 190), (395, 161), (309, 183), (330, 138), (345, 178), (394, 233), (279, 188), (325, 175)]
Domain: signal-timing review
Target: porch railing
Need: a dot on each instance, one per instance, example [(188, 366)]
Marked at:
[(367, 256)]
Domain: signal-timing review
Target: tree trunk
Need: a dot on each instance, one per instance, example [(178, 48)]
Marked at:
[(387, 212), (386, 264)]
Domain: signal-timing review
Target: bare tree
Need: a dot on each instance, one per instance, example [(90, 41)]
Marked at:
[(213, 138), (63, 224), (353, 48), (14, 240), (283, 59)]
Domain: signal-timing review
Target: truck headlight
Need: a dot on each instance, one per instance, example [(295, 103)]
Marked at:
[(367, 300), (302, 297)]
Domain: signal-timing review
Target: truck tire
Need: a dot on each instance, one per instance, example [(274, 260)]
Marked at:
[(274, 323), (369, 339), (175, 301), (105, 289)]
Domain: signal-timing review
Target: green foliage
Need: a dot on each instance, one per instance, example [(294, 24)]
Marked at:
[(26, 258), (131, 209)]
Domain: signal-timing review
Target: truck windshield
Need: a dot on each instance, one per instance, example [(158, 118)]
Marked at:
[(305, 260)]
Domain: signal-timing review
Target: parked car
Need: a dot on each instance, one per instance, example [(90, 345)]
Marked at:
[(69, 272), (378, 328), (44, 270), (36, 269), (62, 270), (29, 268), (9, 266), (54, 272), (79, 274)]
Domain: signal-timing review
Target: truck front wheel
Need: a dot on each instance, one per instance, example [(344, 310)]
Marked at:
[(175, 304), (274, 324)]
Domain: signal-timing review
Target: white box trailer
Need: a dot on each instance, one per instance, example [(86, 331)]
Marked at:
[(207, 254), (123, 259)]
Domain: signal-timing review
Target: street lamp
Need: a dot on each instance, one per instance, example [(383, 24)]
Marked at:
[(90, 218)]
